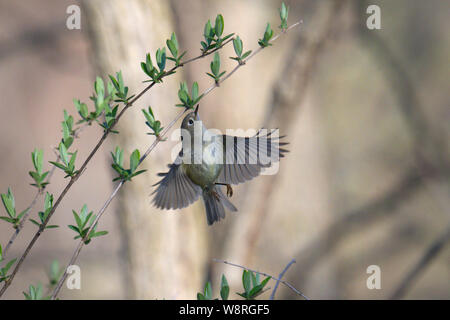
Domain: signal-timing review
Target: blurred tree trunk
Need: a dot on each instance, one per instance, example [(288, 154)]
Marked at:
[(164, 252)]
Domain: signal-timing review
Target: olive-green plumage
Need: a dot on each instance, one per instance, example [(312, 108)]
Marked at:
[(209, 160)]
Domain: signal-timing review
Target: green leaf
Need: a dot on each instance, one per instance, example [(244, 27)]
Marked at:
[(134, 160), (99, 87), (71, 164), (137, 173), (9, 220), (23, 213), (224, 288), (68, 119), (72, 227), (34, 293), (246, 281), (59, 165), (200, 296), (63, 154), (161, 58), (148, 62), (115, 83), (77, 219), (215, 64), (9, 203), (172, 44), (194, 91), (118, 156), (264, 282), (255, 281), (208, 291), (99, 234), (208, 32), (35, 222), (48, 201), (219, 25), (37, 159), (184, 97), (55, 273), (284, 11), (226, 37), (258, 289), (268, 33), (245, 55), (237, 44), (81, 108), (8, 265)]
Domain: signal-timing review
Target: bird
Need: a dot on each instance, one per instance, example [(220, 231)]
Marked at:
[(208, 161)]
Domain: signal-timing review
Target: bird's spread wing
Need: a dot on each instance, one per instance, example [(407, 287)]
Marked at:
[(175, 190), (246, 156)]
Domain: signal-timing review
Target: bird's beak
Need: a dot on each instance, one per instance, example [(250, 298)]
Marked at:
[(196, 113)]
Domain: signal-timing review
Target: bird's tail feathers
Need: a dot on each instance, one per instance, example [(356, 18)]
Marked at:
[(215, 201)]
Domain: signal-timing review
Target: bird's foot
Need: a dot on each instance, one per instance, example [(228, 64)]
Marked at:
[(215, 195), (229, 191)]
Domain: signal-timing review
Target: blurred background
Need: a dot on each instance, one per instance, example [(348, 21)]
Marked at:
[(365, 111)]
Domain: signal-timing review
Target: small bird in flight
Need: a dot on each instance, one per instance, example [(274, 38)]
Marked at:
[(208, 161)]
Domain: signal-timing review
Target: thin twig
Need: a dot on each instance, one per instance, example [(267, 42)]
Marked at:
[(272, 295), (147, 152), (36, 197), (427, 257), (20, 226), (85, 163), (266, 275), (106, 204), (249, 57), (81, 243), (295, 77)]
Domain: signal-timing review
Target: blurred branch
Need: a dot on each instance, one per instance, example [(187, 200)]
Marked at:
[(398, 76), (272, 295), (32, 39), (266, 275), (427, 257), (408, 185), (425, 137), (287, 95), (361, 217), (152, 146)]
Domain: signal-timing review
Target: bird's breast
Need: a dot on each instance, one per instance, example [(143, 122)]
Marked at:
[(206, 172)]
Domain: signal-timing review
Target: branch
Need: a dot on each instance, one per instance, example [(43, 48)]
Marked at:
[(249, 57), (36, 197), (152, 146), (361, 217), (105, 206), (427, 257), (266, 275), (301, 62), (85, 163), (272, 296)]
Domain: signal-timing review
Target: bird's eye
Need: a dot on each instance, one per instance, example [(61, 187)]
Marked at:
[(190, 122)]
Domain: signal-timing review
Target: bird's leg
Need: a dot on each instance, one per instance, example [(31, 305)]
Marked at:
[(229, 189), (215, 195)]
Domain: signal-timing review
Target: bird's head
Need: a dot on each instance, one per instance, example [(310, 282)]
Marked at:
[(190, 120)]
